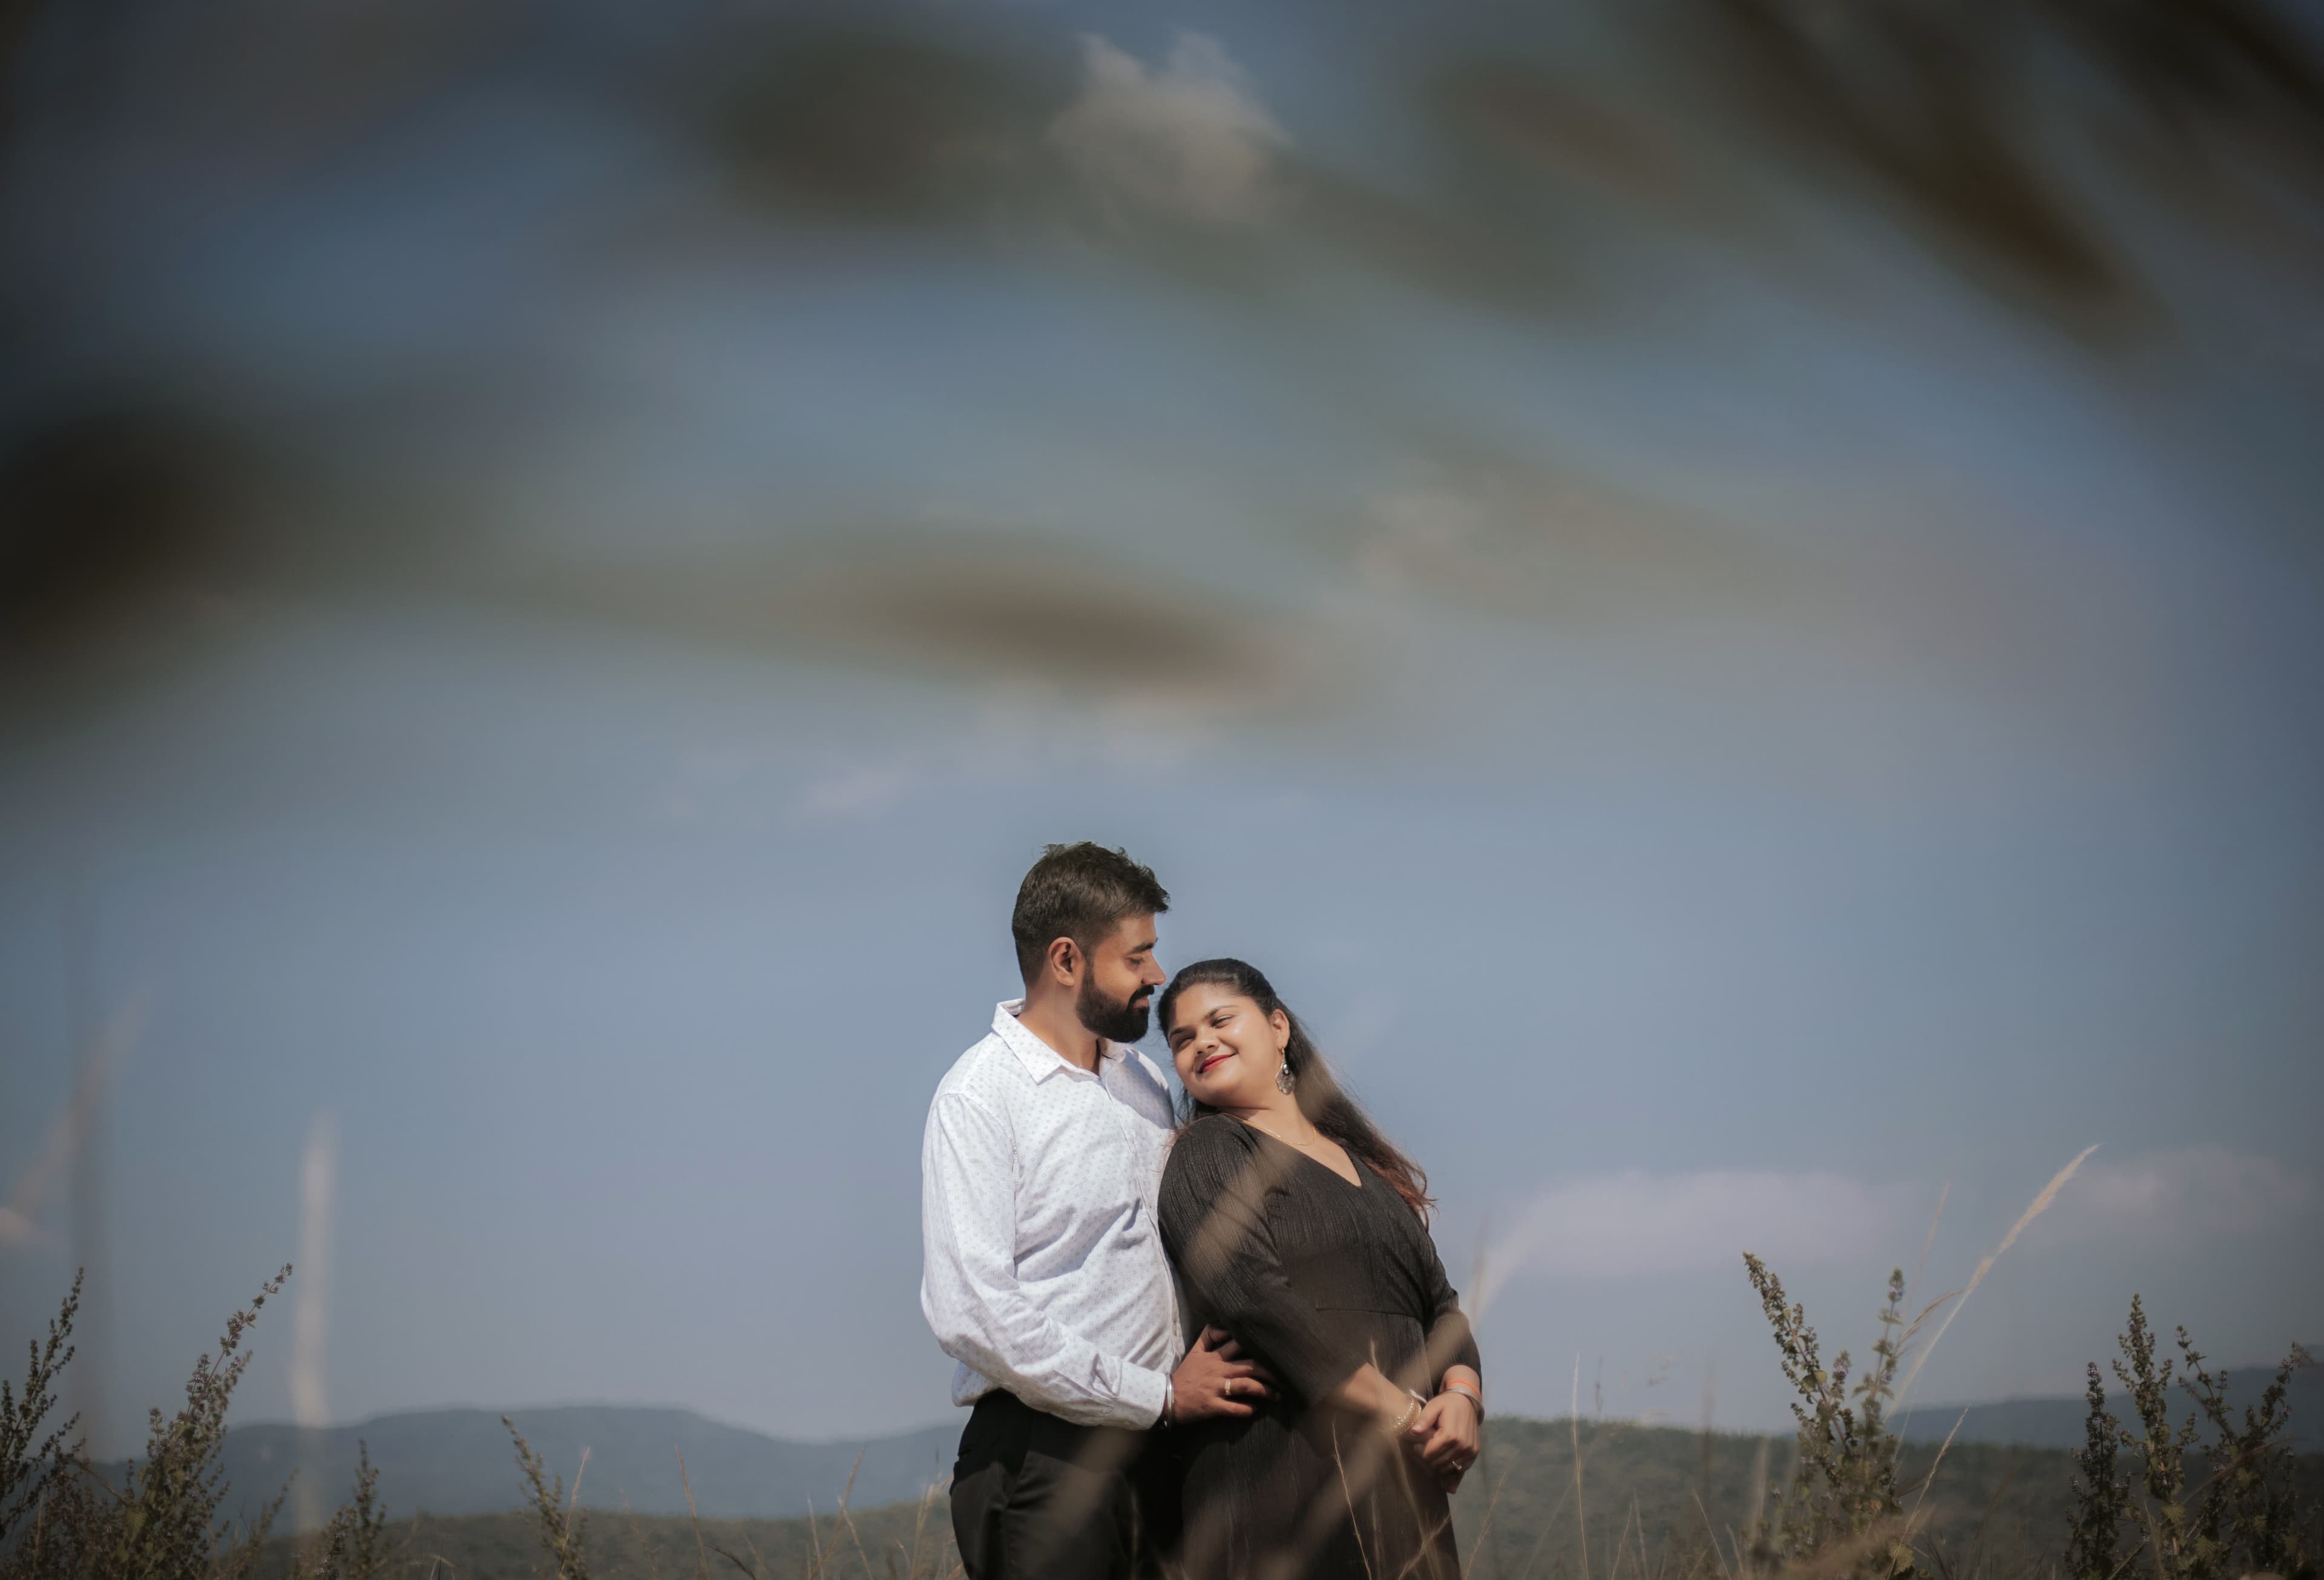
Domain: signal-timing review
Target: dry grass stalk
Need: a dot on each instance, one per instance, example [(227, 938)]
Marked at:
[(1581, 1508), (561, 1528), (846, 1495), (2041, 1204), (702, 1555)]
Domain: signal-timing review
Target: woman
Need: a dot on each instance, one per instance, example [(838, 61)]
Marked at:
[(1295, 1227)]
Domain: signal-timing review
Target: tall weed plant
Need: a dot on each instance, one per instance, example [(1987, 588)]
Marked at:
[(2207, 1496), (61, 1519), (1841, 1504)]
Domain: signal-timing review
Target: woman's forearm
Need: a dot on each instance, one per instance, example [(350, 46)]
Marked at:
[(1367, 1393)]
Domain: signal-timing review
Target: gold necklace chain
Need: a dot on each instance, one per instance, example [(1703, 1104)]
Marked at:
[(1307, 1145)]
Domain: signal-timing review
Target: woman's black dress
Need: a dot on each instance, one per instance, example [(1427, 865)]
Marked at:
[(1314, 1277)]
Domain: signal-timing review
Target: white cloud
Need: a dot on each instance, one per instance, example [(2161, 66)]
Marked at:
[(1189, 138), (2183, 1195), (1622, 1226)]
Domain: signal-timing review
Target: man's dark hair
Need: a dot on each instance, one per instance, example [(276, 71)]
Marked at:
[(1080, 891)]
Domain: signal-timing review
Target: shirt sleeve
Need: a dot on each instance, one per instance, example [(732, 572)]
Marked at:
[(969, 1291), (1215, 1225)]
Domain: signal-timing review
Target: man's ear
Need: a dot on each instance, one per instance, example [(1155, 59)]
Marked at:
[(1065, 962)]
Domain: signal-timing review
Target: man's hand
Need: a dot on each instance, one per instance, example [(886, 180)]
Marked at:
[(1213, 1379), (1446, 1437)]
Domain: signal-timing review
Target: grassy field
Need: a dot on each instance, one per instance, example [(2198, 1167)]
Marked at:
[(2176, 1480), (901, 1539), (1651, 1501)]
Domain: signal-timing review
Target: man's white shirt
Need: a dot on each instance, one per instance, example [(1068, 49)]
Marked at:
[(1042, 1267)]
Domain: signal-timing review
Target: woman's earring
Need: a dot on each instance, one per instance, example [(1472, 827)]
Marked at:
[(1284, 1079)]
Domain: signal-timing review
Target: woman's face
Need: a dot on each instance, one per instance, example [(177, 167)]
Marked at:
[(1226, 1049)]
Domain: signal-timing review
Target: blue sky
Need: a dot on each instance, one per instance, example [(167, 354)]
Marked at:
[(1777, 734)]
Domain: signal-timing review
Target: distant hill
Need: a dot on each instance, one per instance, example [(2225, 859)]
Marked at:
[(2057, 1422), (461, 1462), (1656, 1495), (1654, 1492), (454, 1462)]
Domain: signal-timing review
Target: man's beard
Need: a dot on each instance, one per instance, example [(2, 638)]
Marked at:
[(1101, 1016)]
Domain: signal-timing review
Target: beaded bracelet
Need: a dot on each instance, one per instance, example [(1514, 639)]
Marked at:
[(1419, 1402)]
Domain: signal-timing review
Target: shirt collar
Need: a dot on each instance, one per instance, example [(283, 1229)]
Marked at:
[(1040, 1061)]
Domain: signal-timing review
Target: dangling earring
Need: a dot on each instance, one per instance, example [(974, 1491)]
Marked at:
[(1284, 1079)]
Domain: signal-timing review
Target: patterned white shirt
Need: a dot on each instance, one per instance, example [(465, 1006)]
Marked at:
[(1042, 1270)]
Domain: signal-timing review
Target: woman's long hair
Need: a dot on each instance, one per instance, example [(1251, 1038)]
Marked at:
[(1321, 1098)]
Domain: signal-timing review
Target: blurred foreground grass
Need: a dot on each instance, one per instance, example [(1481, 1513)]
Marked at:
[(912, 1541), (1994, 1511), (2210, 1496)]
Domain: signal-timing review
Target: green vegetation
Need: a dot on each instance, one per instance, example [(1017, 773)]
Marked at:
[(1665, 1501), (908, 1541), (60, 1521), (2234, 1505), (1842, 1496), (2211, 1496), (1992, 1511)]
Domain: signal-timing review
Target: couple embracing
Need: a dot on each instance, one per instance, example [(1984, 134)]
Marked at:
[(1213, 1340)]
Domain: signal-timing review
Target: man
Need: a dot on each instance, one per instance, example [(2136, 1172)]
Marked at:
[(1043, 1271)]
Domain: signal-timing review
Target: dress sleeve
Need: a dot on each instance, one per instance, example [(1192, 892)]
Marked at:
[(1451, 1341), (1214, 1223)]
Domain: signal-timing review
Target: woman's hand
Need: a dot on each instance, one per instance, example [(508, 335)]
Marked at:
[(1447, 1436)]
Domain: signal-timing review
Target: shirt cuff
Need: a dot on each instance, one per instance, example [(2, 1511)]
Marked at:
[(1145, 1391)]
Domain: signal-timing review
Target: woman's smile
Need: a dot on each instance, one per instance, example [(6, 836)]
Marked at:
[(1213, 1060)]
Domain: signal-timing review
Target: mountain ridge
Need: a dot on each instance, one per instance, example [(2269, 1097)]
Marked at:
[(462, 1461), (456, 1461), (2050, 1421)]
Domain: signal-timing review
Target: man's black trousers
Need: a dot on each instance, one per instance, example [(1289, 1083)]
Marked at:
[(1037, 1498)]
